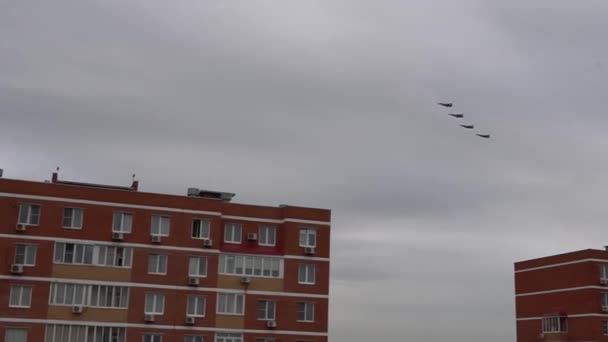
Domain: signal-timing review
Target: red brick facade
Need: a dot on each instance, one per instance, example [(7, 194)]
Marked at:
[(568, 287), (98, 206)]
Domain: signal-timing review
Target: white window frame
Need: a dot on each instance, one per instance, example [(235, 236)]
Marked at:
[(102, 258), (14, 329), (304, 269), (73, 220), (27, 247), (155, 298), (233, 227), (24, 300), (204, 223), (83, 247), (307, 232), (101, 294), (197, 299), (233, 311), (193, 338), (157, 229), (55, 295), (198, 259), (604, 273), (158, 263), (266, 303), (309, 307), (228, 337), (122, 227), (251, 266), (265, 233), (28, 215), (554, 324), (85, 330), (154, 337)]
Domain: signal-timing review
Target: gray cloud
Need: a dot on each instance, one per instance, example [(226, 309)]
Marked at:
[(331, 104)]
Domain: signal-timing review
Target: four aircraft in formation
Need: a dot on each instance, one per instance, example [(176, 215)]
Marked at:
[(460, 116)]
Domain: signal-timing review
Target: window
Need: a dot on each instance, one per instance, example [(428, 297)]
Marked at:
[(268, 236), (160, 225), (114, 256), (15, 335), (232, 233), (21, 296), (264, 340), (68, 294), (555, 324), (228, 337), (192, 338), (155, 303), (107, 296), (72, 218), (73, 253), (308, 237), (25, 255), (306, 274), (306, 312), (196, 306), (81, 254), (197, 266), (605, 327), (122, 222), (266, 310), (250, 265), (84, 333), (153, 338), (200, 229), (230, 303), (157, 264), (604, 273), (604, 301), (29, 214)]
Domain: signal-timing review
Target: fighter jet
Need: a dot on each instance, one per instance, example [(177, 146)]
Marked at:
[(457, 115), (468, 126), (486, 136), (445, 104)]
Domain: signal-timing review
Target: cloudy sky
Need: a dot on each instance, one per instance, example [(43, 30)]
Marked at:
[(331, 104)]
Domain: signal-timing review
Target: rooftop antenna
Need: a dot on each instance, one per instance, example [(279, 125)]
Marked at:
[(133, 177)]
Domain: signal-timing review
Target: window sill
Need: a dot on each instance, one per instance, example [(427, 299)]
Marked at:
[(230, 314), (19, 307), (233, 243), (305, 321), (309, 284)]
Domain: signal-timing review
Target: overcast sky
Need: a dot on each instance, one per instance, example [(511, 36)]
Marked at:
[(332, 104)]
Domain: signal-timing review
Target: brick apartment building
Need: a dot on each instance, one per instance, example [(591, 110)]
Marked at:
[(563, 297), (95, 263)]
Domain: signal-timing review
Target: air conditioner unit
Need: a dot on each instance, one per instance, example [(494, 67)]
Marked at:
[(190, 320), (16, 269), (208, 243), (245, 280), (193, 281), (149, 318), (309, 250), (20, 227), (77, 309), (118, 236), (271, 324), (156, 238), (603, 281), (252, 236)]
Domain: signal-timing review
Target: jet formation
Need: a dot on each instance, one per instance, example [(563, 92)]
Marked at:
[(460, 116)]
